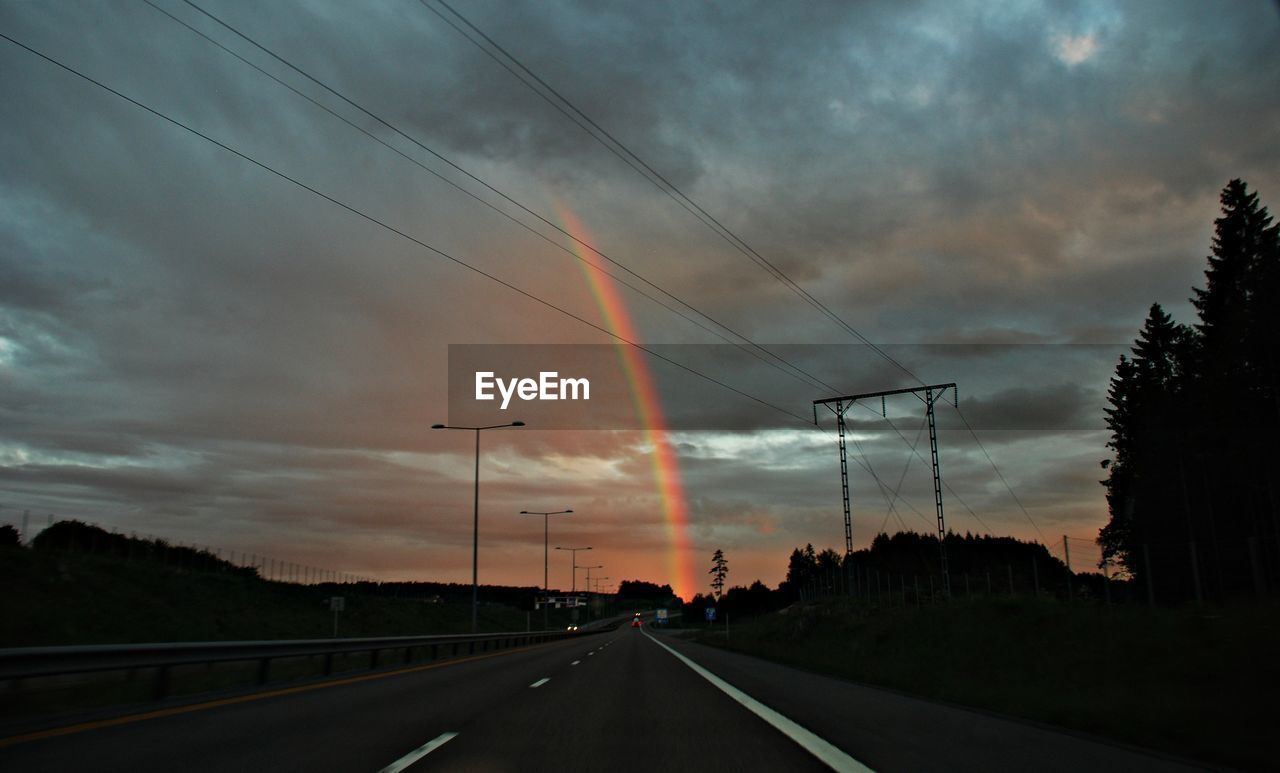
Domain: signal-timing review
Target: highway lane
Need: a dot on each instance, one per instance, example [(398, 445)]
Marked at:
[(360, 726), (886, 730), (615, 701), (627, 706), (609, 701)]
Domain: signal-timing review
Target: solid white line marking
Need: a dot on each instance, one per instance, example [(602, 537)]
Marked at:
[(419, 753), (540, 682), (576, 662), (823, 750)]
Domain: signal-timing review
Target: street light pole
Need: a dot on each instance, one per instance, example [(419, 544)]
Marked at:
[(475, 521), (546, 588), (574, 560), (589, 568)]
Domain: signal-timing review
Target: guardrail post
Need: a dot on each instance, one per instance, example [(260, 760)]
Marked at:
[(153, 667)]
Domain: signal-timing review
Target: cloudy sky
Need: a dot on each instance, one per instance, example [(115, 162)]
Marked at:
[(194, 347)]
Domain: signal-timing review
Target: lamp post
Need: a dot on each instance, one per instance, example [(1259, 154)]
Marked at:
[(589, 568), (545, 533), (588, 585), (599, 602), (574, 559), (475, 520)]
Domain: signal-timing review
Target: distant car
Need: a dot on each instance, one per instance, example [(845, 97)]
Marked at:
[(635, 623), (572, 629)]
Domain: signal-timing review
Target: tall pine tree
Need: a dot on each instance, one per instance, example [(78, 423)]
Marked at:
[(1192, 416)]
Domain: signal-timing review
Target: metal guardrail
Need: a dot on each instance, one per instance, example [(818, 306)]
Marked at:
[(34, 662)]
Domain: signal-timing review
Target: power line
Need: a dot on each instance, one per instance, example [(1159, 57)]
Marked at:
[(620, 150), (379, 119), (393, 229), (905, 467), (795, 370), (999, 474), (811, 379), (503, 213), (808, 377)]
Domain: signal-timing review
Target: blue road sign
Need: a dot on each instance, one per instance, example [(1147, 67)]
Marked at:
[(711, 614)]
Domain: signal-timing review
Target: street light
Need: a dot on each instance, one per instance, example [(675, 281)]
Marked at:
[(545, 586), (574, 560), (475, 520), (589, 568)]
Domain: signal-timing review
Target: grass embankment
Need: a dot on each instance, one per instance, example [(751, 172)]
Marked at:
[(54, 598), (1200, 683)]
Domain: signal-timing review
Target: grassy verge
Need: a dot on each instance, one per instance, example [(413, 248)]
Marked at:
[(1199, 683), (57, 598), (53, 598)]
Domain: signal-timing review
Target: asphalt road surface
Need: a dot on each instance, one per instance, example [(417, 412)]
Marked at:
[(618, 701)]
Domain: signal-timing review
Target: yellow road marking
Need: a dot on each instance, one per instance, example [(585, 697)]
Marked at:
[(129, 719)]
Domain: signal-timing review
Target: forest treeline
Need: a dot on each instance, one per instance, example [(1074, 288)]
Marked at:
[(1193, 413), (909, 562), (74, 536)]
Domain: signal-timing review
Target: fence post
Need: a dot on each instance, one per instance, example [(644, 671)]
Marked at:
[(1035, 576)]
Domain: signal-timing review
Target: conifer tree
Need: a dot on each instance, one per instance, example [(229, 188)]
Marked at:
[(719, 571), (1192, 414)]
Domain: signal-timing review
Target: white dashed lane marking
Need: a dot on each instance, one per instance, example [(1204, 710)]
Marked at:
[(419, 753)]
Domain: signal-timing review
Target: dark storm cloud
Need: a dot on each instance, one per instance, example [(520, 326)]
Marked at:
[(182, 333)]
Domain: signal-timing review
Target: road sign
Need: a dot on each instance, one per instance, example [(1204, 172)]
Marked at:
[(337, 604), (711, 614), (560, 602), (662, 615)]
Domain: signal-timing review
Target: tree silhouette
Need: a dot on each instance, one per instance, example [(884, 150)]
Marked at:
[(719, 570), (9, 537), (802, 566), (1192, 413)]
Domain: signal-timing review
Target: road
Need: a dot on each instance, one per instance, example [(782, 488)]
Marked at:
[(618, 701)]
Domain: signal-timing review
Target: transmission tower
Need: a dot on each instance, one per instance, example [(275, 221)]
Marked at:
[(928, 394)]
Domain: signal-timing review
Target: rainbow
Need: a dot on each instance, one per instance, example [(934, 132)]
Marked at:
[(648, 406)]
